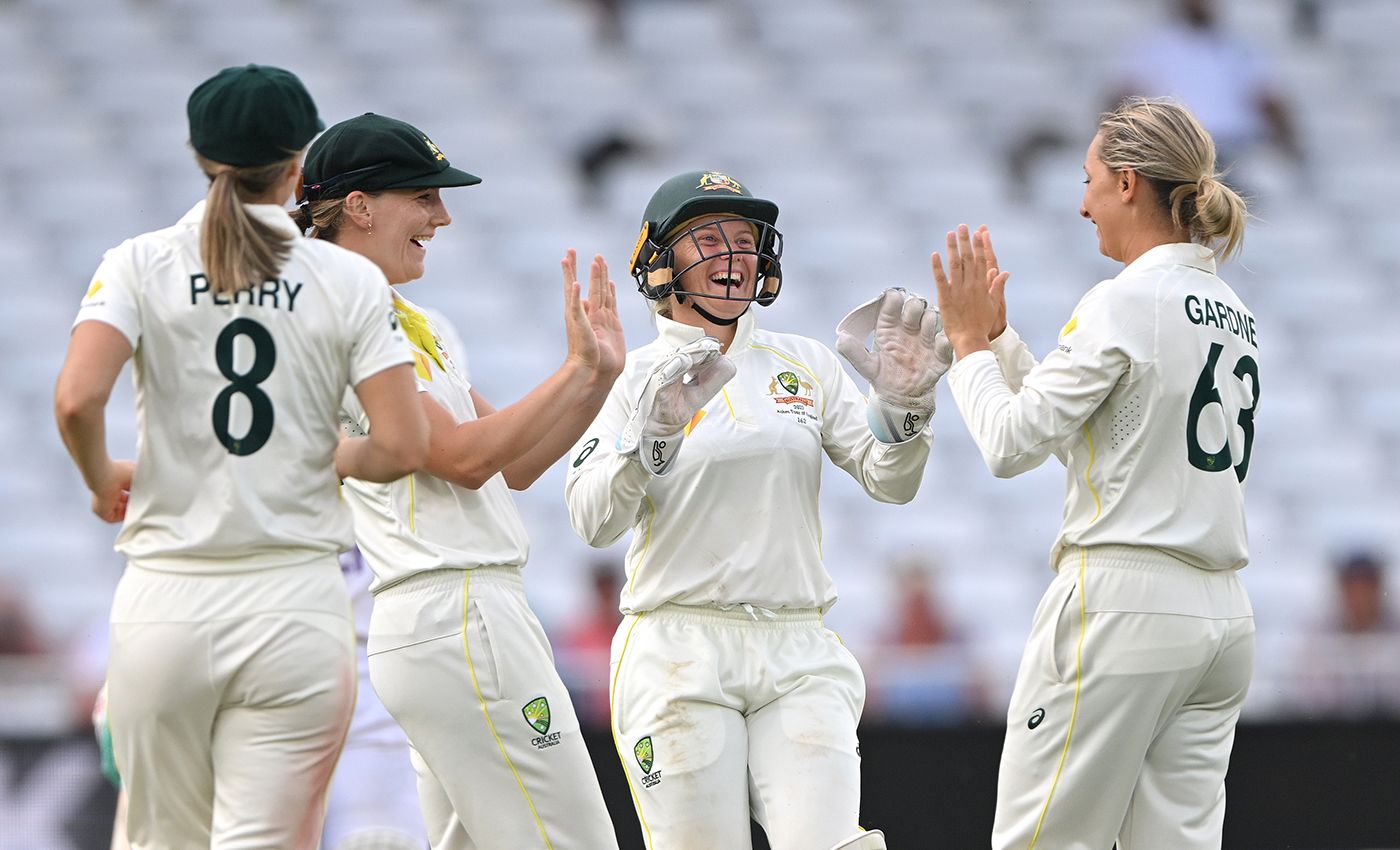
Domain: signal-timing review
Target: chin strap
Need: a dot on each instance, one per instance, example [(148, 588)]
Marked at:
[(710, 317)]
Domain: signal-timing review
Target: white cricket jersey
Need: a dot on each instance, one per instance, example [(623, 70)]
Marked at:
[(1148, 400), (236, 395), (422, 522), (736, 520)]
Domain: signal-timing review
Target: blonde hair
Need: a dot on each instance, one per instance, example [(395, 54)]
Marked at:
[(320, 219), (237, 250), (1163, 142)]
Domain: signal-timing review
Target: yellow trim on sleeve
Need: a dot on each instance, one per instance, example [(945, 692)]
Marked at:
[(1074, 714), (486, 712), (1069, 326), (617, 744), (412, 506)]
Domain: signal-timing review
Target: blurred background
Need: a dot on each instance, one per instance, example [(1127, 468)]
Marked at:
[(876, 125)]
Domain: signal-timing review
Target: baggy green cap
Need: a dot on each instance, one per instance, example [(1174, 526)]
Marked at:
[(373, 152), (251, 115)]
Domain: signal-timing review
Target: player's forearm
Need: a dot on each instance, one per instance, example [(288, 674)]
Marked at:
[(1010, 444), (578, 413), (369, 459), (1013, 356), (470, 453), (82, 423), (604, 495)]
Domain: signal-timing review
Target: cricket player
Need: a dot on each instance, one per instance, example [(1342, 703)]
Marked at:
[(1123, 713), (729, 696), (373, 802), (231, 672), (455, 653)]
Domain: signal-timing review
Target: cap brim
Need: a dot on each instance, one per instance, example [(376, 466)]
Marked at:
[(758, 208), (438, 180)]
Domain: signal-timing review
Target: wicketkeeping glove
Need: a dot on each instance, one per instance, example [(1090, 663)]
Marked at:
[(911, 353), (679, 385)]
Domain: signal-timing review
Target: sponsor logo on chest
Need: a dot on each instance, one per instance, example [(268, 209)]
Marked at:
[(793, 397)]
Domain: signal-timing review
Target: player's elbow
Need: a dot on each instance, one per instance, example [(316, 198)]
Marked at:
[(72, 403), (1003, 466), (473, 473)]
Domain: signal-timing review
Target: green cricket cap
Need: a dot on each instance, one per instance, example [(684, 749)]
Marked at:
[(251, 115), (373, 152)]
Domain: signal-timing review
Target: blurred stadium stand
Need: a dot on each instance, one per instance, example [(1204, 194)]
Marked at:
[(875, 124)]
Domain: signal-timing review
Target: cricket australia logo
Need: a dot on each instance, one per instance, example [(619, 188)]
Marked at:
[(787, 388), (793, 396), (646, 757), (536, 713)]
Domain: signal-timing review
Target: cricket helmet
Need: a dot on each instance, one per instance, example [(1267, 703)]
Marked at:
[(700, 193)]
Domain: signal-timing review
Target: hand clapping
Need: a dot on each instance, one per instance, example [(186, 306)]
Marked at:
[(972, 294)]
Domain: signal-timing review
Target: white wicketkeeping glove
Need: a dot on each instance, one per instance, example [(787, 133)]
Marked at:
[(679, 385), (911, 353)]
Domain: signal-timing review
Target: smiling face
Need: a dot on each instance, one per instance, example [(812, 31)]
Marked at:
[(1103, 202), (402, 221), (719, 259)]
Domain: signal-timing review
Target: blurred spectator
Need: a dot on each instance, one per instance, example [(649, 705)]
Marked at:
[(583, 650), (1218, 75), (923, 671), (1362, 600), (1215, 73), (18, 633), (1351, 666)]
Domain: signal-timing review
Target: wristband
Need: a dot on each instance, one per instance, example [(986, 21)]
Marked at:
[(891, 423)]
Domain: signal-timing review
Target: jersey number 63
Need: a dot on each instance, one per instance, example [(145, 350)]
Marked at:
[(1207, 394)]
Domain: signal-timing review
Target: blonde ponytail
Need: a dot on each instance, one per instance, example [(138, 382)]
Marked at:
[(1164, 143), (237, 250), (320, 219)]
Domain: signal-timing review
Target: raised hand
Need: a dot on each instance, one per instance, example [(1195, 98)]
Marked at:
[(910, 355), (583, 342), (601, 308), (905, 363), (996, 282), (971, 294), (686, 380), (591, 325), (679, 385)]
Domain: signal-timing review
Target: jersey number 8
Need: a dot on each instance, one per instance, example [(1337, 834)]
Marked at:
[(1207, 394), (245, 384)]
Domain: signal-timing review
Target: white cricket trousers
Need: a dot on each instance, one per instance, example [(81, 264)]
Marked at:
[(722, 715), (1124, 710), (229, 696), (373, 799), (462, 663)]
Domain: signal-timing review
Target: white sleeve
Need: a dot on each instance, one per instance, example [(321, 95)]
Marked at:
[(889, 473), (1014, 357), (603, 488), (376, 340), (1016, 431), (111, 295)]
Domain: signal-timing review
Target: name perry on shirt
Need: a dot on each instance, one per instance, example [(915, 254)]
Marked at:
[(1215, 314), (276, 291)]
